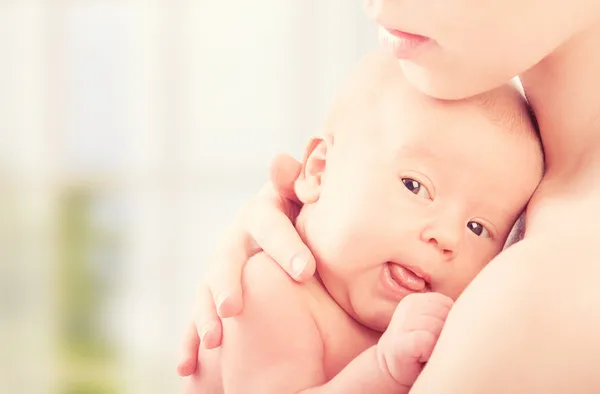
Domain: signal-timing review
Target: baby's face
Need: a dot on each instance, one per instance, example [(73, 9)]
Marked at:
[(416, 195)]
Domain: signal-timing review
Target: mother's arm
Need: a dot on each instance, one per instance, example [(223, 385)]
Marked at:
[(264, 223), (529, 323)]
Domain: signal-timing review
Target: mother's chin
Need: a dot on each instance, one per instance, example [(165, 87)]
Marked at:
[(449, 83)]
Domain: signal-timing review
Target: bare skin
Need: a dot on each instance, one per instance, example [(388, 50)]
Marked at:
[(529, 322), (537, 329)]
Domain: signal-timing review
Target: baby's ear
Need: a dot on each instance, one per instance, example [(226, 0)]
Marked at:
[(308, 184)]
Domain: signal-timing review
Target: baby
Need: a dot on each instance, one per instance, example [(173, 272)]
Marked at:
[(406, 198)]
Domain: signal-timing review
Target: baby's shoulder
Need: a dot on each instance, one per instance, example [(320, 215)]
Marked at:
[(264, 280), (261, 268), (262, 272)]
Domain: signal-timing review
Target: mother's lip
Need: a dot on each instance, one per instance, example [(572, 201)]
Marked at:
[(402, 44), (405, 35)]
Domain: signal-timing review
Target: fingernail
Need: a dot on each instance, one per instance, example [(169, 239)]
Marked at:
[(205, 329), (182, 366), (299, 263), (220, 300)]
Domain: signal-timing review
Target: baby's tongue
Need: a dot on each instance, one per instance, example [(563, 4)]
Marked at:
[(406, 278)]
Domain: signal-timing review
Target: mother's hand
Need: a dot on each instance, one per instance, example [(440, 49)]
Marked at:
[(264, 223)]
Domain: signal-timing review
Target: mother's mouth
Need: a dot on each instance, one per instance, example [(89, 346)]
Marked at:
[(402, 44)]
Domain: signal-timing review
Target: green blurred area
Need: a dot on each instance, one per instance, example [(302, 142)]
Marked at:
[(88, 358)]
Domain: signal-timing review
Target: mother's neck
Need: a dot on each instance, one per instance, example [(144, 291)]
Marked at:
[(564, 91)]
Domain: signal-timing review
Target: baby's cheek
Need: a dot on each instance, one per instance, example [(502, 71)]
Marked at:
[(344, 241), (452, 290), (454, 282), (329, 234), (350, 243), (349, 227)]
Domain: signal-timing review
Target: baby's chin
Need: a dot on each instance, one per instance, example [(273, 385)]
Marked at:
[(374, 315)]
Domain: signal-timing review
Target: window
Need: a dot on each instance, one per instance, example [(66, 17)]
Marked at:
[(130, 132)]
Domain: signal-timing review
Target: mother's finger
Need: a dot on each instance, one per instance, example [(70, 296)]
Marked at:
[(229, 259), (273, 230), (189, 359), (207, 321), (284, 171)]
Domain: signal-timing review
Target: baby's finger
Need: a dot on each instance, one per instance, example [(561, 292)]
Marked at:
[(425, 343), (437, 300), (439, 307), (277, 236), (433, 297), (434, 304)]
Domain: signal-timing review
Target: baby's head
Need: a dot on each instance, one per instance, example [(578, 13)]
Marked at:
[(405, 193)]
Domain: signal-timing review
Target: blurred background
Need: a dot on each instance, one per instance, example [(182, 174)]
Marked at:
[(130, 132)]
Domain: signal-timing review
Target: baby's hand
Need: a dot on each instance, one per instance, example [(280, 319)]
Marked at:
[(407, 344)]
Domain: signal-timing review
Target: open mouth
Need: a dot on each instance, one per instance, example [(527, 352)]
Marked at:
[(406, 278)]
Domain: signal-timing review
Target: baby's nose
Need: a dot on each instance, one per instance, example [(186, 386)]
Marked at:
[(446, 238)]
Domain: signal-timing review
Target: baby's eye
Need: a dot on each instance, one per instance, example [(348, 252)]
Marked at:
[(478, 229), (416, 188)]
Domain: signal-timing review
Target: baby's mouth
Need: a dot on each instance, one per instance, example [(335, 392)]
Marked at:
[(406, 278)]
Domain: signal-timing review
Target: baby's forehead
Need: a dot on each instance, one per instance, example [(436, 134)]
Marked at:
[(378, 78), (378, 93), (376, 82)]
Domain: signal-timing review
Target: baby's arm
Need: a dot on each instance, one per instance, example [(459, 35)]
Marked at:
[(393, 365), (276, 312), (273, 345), (364, 375)]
